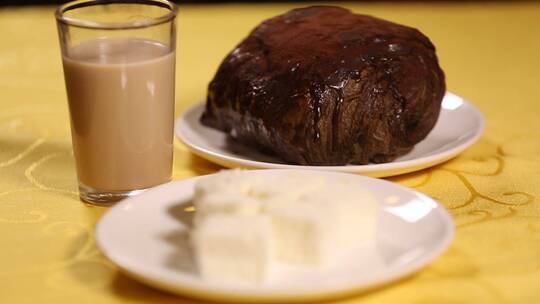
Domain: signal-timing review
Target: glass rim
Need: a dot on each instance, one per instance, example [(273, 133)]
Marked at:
[(78, 22)]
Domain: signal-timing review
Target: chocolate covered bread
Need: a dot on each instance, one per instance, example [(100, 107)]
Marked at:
[(324, 86)]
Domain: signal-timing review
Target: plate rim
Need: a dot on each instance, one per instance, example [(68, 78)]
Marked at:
[(239, 296), (375, 170)]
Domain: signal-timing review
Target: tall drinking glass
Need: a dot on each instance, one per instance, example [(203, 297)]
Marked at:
[(119, 69)]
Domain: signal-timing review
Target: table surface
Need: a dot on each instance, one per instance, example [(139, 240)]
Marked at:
[(489, 51)]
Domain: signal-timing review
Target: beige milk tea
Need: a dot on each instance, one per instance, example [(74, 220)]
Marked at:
[(121, 101)]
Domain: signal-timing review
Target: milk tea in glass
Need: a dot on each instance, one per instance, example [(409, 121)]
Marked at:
[(119, 70)]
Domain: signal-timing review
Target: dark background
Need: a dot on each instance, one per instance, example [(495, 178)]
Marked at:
[(33, 2), (30, 2)]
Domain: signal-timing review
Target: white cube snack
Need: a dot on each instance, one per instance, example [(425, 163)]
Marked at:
[(233, 248), (225, 203), (302, 232), (245, 222), (320, 226), (241, 182), (290, 184), (227, 181), (238, 192)]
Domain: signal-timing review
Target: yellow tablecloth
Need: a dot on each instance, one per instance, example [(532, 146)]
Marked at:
[(491, 56)]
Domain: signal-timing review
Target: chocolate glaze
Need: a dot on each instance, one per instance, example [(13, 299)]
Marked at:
[(323, 86)]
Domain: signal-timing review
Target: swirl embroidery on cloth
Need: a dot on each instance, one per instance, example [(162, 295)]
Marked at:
[(478, 205), (28, 173), (23, 153)]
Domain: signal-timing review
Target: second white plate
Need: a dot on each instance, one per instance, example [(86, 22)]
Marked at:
[(146, 236), (460, 125)]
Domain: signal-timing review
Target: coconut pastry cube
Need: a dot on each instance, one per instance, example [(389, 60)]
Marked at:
[(238, 192), (317, 228), (303, 232), (356, 210), (291, 184), (224, 203), (227, 181), (233, 248)]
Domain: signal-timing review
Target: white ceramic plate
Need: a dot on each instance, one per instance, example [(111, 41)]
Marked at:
[(460, 124), (146, 237)]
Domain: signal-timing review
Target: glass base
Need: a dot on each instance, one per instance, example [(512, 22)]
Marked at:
[(105, 198)]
